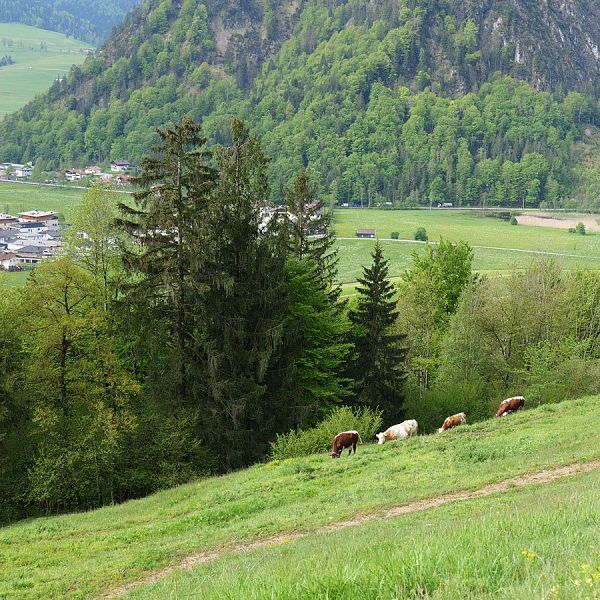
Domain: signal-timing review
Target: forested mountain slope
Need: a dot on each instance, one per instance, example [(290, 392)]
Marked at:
[(410, 100), (88, 20)]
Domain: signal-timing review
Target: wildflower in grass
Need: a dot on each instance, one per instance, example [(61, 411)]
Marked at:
[(528, 554), (585, 567)]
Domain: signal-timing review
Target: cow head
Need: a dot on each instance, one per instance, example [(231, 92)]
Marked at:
[(440, 430), (380, 438), (335, 454)]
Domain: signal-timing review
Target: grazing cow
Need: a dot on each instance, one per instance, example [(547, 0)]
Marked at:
[(401, 431), (453, 421), (510, 405), (346, 439)]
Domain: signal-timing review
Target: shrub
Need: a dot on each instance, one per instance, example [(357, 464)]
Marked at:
[(580, 228), (432, 406), (571, 229), (318, 439), (513, 220), (421, 234), (395, 235)]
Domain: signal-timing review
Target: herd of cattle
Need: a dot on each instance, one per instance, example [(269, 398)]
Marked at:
[(406, 429)]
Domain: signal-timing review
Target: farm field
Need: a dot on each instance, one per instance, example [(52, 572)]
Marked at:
[(87, 554), (35, 69), (19, 197), (497, 245)]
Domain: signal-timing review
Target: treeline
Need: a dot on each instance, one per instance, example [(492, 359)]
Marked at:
[(401, 102), (88, 20)]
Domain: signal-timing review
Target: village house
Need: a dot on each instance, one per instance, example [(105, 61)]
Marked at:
[(22, 171), (92, 170), (119, 166), (365, 233), (7, 220), (7, 260), (48, 217), (73, 175)]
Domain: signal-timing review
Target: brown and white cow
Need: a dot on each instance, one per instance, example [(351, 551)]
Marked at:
[(453, 421), (343, 440), (401, 431), (510, 405)]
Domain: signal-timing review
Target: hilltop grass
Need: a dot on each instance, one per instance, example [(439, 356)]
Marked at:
[(34, 69), (537, 542), (81, 555)]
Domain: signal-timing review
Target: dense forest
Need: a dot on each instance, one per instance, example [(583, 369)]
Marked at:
[(87, 20), (413, 102), (184, 331)]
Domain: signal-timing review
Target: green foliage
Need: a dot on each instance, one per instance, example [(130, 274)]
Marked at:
[(394, 235), (513, 220), (421, 234), (318, 439), (580, 228), (339, 97), (377, 366), (88, 20)]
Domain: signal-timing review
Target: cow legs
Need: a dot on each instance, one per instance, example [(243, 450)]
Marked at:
[(354, 447)]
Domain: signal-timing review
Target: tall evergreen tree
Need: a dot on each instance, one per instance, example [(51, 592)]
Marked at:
[(242, 285), (164, 225), (378, 367), (308, 228)]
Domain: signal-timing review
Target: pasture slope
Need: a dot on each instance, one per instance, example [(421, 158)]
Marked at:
[(400, 520), (40, 57)]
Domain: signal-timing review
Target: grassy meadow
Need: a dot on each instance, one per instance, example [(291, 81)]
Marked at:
[(497, 245), (86, 554), (19, 197), (35, 68), (538, 542)]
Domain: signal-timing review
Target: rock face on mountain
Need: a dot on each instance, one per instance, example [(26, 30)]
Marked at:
[(320, 79)]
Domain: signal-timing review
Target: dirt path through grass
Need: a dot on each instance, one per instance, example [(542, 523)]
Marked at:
[(545, 476)]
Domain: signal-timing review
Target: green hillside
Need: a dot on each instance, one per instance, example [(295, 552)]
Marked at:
[(88, 554), (407, 101), (40, 57), (89, 20)]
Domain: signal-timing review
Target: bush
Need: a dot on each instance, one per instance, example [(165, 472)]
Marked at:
[(476, 399), (580, 228), (421, 234), (513, 220), (318, 439), (395, 235)]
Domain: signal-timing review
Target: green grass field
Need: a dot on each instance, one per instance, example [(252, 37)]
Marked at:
[(83, 555), (497, 245), (542, 542), (34, 69), (19, 197)]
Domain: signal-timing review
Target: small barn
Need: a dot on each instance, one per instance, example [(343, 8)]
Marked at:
[(365, 233)]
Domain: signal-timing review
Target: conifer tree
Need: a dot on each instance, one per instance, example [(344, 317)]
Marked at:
[(242, 287), (308, 229), (164, 224), (378, 365)]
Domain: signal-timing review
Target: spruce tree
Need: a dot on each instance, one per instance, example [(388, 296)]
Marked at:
[(378, 365), (242, 289), (308, 230), (163, 225)]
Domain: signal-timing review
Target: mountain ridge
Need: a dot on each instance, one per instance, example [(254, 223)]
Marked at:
[(279, 62)]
